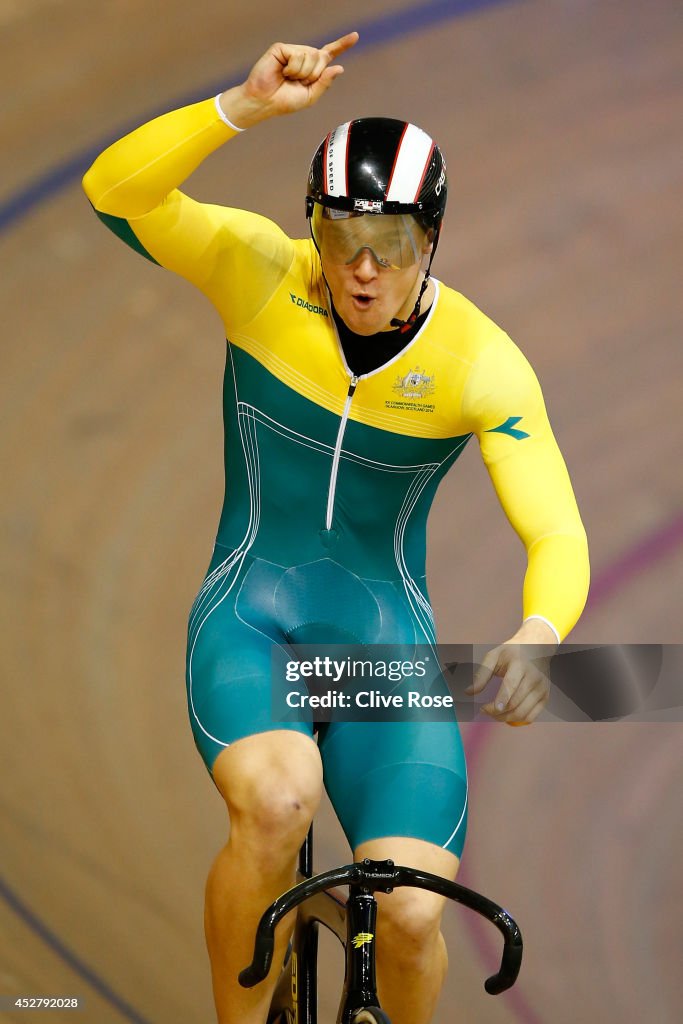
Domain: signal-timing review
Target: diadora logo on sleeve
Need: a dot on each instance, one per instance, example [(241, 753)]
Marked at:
[(509, 428), (303, 304)]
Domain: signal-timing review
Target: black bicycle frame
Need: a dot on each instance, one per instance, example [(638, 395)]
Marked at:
[(353, 921)]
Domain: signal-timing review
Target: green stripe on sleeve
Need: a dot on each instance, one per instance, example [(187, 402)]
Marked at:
[(122, 228)]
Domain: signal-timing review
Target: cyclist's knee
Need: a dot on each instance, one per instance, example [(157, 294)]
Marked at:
[(272, 785), (408, 921)]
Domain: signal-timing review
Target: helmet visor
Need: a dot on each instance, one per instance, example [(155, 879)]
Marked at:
[(396, 241)]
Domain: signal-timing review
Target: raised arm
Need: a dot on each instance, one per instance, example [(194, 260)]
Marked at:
[(134, 184)]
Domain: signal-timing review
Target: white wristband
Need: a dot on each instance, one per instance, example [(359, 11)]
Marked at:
[(222, 116), (547, 622)]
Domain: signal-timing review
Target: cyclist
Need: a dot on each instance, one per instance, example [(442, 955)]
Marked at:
[(353, 381)]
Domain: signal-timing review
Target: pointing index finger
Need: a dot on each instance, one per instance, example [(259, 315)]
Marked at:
[(341, 45)]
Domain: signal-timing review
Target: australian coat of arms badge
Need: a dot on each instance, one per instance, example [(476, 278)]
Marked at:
[(415, 384)]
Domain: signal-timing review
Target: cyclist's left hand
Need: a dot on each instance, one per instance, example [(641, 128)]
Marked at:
[(522, 664)]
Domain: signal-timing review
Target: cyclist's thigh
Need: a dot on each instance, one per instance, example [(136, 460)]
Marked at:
[(230, 663), (403, 778)]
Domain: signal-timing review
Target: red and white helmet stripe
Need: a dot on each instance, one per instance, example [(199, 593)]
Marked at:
[(410, 165)]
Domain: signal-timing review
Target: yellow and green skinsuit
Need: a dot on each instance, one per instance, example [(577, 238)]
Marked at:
[(330, 477)]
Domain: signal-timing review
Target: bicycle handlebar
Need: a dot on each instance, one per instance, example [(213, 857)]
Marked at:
[(384, 876)]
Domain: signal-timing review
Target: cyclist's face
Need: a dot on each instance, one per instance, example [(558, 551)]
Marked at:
[(367, 296), (366, 292)]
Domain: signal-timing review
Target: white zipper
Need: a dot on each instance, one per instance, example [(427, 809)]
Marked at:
[(337, 453)]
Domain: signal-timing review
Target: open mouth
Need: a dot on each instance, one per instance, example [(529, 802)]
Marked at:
[(363, 301)]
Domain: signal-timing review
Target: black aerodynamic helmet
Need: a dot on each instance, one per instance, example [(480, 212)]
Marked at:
[(379, 165)]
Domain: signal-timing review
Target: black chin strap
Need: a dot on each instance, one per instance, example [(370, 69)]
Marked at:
[(405, 325)]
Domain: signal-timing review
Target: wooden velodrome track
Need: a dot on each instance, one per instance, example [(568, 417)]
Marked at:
[(561, 122)]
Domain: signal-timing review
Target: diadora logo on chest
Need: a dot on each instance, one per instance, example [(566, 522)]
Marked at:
[(308, 306), (412, 389)]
